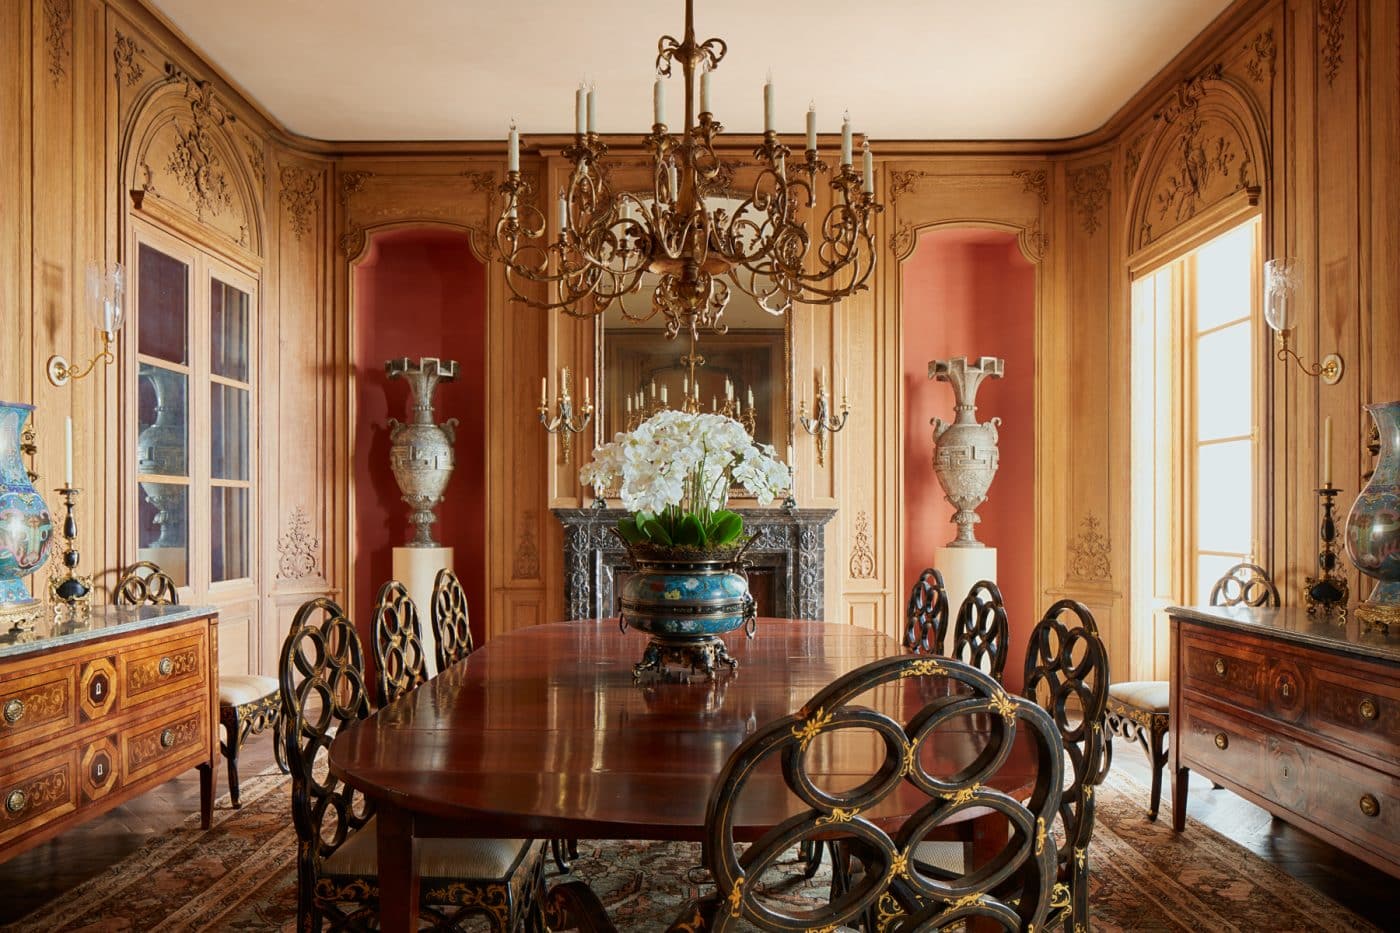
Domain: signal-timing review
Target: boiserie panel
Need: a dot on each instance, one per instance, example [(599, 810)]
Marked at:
[(1284, 106)]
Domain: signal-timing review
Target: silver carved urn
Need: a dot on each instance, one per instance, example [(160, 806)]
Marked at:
[(421, 455), (965, 454)]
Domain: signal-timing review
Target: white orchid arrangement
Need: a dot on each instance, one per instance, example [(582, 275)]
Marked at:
[(674, 472)]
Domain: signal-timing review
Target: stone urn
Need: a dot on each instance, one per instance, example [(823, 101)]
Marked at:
[(1373, 526), (965, 452), (26, 527), (421, 455), (161, 451)]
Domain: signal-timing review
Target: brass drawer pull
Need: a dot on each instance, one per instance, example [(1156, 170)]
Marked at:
[(14, 710), (1368, 709), (167, 738), (16, 801), (165, 667), (1220, 666), (1222, 741), (1370, 805)]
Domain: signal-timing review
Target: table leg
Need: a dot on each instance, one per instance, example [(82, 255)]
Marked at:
[(990, 833), (206, 795), (398, 875), (1180, 781)]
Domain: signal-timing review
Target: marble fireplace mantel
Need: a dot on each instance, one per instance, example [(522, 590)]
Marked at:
[(791, 545)]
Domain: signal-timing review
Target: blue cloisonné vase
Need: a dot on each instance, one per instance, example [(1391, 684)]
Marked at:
[(26, 527), (685, 604), (1373, 526)]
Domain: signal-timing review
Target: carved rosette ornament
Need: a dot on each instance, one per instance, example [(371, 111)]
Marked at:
[(421, 455), (965, 456)]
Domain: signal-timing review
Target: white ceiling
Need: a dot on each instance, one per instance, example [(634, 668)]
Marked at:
[(905, 69)]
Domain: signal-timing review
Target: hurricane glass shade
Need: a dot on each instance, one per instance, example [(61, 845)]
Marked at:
[(1280, 284), (105, 288)]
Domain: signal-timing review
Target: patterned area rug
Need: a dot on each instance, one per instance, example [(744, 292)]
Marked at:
[(240, 875)]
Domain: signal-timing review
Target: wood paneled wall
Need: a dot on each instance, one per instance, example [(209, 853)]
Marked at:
[(1288, 103)]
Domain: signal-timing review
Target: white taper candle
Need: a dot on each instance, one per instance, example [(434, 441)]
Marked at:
[(658, 101), (68, 452), (768, 124), (592, 101), (705, 91), (580, 109), (846, 139), (513, 160), (812, 127), (869, 159)]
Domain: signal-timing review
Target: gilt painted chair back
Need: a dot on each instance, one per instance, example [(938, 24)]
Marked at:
[(1245, 584), (980, 632), (926, 616), (145, 584), (399, 661), (451, 623)]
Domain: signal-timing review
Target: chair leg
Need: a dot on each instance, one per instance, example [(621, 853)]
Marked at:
[(279, 743), (1157, 755), (811, 853), (206, 795), (557, 848), (573, 848), (233, 727)]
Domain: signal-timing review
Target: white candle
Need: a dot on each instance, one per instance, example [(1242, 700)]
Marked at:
[(563, 212), (653, 388), (738, 408), (629, 404), (592, 101), (587, 389), (673, 181), (663, 395), (750, 394), (1326, 452), (658, 101), (705, 91), (68, 452), (729, 390), (714, 403), (513, 164), (768, 123), (544, 391), (869, 160), (845, 387), (685, 385), (789, 456), (821, 386), (812, 127), (846, 139)]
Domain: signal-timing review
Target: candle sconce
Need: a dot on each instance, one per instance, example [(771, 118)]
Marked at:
[(822, 421), (69, 590), (566, 422), (1328, 591), (1280, 313), (105, 289)]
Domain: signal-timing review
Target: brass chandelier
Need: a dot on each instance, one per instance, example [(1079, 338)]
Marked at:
[(698, 243)]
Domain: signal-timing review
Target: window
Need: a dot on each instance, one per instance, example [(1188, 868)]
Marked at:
[(1195, 440), (195, 456)]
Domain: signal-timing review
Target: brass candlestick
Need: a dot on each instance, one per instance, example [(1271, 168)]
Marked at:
[(567, 422), (1329, 590), (68, 588)]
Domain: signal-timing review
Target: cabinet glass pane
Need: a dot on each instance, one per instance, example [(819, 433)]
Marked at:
[(229, 530), (1224, 383), (162, 528), (228, 415), (228, 328), (162, 421), (1224, 493), (163, 305), (1223, 270)]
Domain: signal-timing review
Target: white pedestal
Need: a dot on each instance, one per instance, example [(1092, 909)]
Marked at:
[(417, 569), (963, 568)]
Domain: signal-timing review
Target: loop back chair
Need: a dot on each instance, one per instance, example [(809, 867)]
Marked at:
[(926, 616), (451, 623), (322, 689), (1066, 673), (981, 632), (247, 702), (399, 661), (1013, 889), (1140, 710)]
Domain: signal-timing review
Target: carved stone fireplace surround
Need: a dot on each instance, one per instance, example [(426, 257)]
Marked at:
[(791, 544)]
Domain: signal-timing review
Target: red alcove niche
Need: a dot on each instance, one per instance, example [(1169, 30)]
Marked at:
[(418, 292), (970, 291)]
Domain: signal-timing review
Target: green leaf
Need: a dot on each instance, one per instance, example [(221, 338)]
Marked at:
[(657, 532), (691, 532), (630, 530), (726, 527)]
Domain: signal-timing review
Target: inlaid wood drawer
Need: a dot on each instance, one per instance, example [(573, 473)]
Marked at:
[(157, 742), (1219, 742), (1362, 713), (156, 670), (36, 705), (1355, 801), (35, 791), (1225, 670)]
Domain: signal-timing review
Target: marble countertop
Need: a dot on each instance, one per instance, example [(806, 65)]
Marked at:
[(103, 621), (1292, 623)]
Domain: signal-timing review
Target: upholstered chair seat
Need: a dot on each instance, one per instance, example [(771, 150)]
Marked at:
[(1154, 696), (238, 689), (440, 861)]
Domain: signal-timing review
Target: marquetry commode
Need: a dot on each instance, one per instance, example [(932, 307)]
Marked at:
[(95, 713), (1298, 714)]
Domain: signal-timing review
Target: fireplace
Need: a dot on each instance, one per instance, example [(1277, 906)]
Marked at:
[(786, 573)]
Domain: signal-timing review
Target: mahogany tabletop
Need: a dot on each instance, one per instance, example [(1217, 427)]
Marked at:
[(544, 733)]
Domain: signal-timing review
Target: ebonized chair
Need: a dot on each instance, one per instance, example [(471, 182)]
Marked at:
[(1140, 710), (980, 632), (451, 624), (1013, 890), (322, 688), (399, 662), (247, 702), (926, 616), (1066, 673)]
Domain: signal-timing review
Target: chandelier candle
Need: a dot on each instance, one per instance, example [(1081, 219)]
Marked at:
[(580, 110)]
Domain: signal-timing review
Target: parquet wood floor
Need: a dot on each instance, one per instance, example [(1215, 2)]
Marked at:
[(45, 873)]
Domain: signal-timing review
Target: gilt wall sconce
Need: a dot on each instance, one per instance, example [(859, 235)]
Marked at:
[(105, 288), (567, 421), (822, 422), (1280, 313)]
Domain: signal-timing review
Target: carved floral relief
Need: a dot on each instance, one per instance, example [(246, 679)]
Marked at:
[(862, 564), (300, 187), (1089, 553), (297, 548), (58, 20), (1088, 192)]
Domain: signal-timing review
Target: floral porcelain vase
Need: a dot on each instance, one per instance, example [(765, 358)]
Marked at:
[(26, 526), (1373, 525)]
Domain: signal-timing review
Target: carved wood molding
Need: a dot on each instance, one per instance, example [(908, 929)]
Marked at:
[(862, 564), (481, 182), (58, 19), (1088, 192), (297, 548), (1089, 553), (126, 57), (904, 183), (1035, 243), (352, 183), (1198, 161), (1187, 95), (1329, 29), (1035, 181), (300, 196), (1262, 52), (1132, 158), (195, 161), (527, 552), (902, 240)]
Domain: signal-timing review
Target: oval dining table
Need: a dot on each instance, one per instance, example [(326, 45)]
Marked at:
[(543, 733)]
